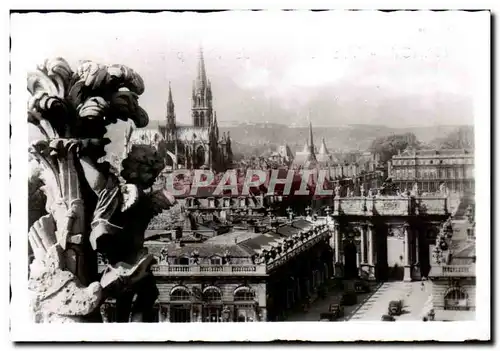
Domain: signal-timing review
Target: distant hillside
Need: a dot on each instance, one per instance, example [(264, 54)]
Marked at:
[(255, 138), (260, 136)]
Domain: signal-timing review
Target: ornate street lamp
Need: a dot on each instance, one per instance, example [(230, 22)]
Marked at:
[(328, 211), (308, 211), (226, 314)]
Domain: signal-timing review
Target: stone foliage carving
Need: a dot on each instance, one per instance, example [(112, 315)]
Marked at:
[(86, 204)]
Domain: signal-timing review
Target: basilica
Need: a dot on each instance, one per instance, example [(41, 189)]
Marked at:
[(196, 146)]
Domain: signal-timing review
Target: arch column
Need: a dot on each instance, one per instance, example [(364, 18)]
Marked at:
[(362, 245), (337, 242), (369, 265), (407, 250)]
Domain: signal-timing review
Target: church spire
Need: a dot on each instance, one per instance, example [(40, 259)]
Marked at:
[(170, 101), (323, 149), (201, 79), (311, 141), (311, 157), (170, 110)]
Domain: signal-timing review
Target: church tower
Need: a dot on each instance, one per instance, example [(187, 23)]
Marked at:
[(312, 154), (201, 110), (171, 125)]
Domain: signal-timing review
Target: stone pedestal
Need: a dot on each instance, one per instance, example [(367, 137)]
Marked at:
[(407, 274), (367, 272), (339, 270), (416, 274)]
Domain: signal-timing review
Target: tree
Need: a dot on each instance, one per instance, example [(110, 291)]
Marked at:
[(389, 146), (461, 138)]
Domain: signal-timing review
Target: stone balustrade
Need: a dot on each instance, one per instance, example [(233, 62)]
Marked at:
[(389, 206), (453, 271), (206, 270)]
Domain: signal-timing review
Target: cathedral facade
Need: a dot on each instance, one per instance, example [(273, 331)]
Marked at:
[(197, 146)]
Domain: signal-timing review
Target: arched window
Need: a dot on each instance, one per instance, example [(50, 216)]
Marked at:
[(195, 119), (244, 294), (180, 293), (244, 303), (212, 294), (456, 299)]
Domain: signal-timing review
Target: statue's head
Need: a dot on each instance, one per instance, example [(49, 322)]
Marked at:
[(142, 166)]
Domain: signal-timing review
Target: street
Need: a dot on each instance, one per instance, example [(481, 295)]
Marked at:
[(413, 295), (322, 305), (373, 305)]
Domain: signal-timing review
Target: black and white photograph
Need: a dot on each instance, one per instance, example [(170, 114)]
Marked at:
[(193, 175)]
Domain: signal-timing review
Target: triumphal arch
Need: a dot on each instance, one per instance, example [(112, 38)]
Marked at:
[(385, 237)]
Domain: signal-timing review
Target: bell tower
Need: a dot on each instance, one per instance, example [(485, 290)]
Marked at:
[(201, 110)]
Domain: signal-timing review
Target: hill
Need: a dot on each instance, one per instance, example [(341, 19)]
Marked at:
[(255, 138)]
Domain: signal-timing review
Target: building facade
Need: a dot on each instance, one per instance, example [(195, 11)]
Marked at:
[(196, 146), (453, 272), (430, 168), (240, 276)]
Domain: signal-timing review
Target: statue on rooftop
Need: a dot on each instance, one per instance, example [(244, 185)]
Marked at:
[(414, 190), (337, 190), (90, 210)]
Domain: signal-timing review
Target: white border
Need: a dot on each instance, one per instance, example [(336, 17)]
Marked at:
[(352, 331)]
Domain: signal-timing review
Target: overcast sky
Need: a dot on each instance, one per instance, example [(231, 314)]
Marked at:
[(397, 69)]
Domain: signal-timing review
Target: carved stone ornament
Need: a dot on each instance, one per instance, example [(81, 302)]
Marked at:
[(86, 204)]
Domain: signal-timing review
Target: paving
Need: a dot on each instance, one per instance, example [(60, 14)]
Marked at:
[(413, 294), (322, 305)]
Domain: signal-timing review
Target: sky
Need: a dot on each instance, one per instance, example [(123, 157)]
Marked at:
[(399, 69)]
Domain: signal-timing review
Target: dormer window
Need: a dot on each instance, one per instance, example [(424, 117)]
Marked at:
[(183, 260), (211, 202), (216, 260)]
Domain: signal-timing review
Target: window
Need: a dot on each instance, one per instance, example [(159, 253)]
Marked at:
[(180, 293), (212, 310), (216, 260), (244, 294), (212, 294), (244, 300), (456, 299)]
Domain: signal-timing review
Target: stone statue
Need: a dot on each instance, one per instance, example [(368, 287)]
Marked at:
[(89, 208), (443, 189), (337, 190), (370, 192), (414, 191)]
